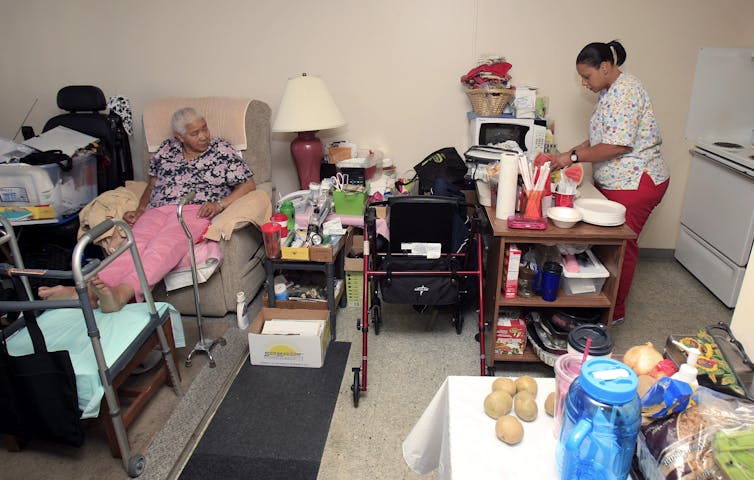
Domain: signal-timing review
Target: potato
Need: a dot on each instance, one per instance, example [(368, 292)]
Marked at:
[(525, 407), (505, 384), (550, 404), (497, 404), (509, 429), (526, 383)]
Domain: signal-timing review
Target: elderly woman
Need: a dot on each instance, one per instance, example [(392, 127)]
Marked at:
[(192, 161)]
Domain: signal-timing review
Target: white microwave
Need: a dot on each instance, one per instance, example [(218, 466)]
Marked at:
[(529, 133)]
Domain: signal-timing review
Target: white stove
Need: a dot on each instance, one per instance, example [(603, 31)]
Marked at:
[(717, 219), (734, 151)]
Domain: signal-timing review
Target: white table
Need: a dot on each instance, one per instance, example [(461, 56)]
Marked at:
[(455, 436)]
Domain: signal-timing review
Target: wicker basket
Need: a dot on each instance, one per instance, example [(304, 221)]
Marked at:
[(489, 101)]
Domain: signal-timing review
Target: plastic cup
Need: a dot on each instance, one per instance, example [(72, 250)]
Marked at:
[(564, 200), (567, 368), (282, 220), (271, 235)]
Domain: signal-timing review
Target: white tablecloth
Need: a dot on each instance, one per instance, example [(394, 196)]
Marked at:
[(457, 438)]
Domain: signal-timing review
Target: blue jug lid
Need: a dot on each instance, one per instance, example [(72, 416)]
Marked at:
[(608, 381)]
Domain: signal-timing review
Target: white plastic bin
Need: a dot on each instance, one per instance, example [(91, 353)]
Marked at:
[(589, 280), (29, 185)]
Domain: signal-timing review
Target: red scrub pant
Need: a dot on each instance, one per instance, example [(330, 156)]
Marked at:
[(639, 204), (162, 244)]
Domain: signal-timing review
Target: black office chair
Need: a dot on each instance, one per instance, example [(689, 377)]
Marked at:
[(85, 106)]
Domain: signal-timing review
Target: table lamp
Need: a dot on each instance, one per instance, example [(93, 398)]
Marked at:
[(307, 107)]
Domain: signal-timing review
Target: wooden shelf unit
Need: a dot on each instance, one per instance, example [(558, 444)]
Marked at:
[(607, 243)]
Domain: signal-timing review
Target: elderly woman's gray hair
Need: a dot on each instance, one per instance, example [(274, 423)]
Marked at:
[(183, 117)]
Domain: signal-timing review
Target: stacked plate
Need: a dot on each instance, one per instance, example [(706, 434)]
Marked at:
[(600, 211)]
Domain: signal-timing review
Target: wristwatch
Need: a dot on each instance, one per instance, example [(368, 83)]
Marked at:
[(574, 157)]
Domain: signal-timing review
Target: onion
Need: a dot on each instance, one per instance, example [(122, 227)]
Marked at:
[(642, 358)]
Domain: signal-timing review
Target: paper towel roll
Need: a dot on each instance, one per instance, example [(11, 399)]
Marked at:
[(507, 186)]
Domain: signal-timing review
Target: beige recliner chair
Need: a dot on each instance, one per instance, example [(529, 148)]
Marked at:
[(246, 124)]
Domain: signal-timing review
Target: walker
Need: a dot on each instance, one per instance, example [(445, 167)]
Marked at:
[(203, 345)]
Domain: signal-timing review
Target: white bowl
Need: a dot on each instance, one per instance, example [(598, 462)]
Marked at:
[(564, 217)]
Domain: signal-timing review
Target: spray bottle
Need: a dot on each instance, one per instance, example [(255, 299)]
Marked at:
[(242, 311), (687, 372)]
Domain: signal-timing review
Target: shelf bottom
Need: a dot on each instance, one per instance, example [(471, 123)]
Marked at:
[(529, 355)]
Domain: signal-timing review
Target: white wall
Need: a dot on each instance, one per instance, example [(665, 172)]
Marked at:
[(393, 66)]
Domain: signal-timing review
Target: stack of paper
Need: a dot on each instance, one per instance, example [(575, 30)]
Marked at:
[(311, 328)]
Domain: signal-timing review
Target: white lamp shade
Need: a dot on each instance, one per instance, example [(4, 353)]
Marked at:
[(307, 106)]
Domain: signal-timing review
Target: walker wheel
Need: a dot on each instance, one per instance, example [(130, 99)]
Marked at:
[(458, 321), (376, 318), (221, 341), (188, 363), (136, 465), (211, 364), (356, 388)]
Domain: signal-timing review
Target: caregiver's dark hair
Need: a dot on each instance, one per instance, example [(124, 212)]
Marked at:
[(596, 53)]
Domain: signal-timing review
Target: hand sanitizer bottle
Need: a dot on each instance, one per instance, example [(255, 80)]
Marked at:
[(242, 311), (687, 372)]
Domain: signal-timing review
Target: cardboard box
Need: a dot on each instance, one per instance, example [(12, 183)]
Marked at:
[(511, 266), (288, 350), (510, 335), (321, 253), (354, 246)]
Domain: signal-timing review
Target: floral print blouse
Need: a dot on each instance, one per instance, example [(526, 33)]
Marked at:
[(624, 116), (212, 175)]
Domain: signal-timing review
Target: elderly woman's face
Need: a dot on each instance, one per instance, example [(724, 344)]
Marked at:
[(196, 139)]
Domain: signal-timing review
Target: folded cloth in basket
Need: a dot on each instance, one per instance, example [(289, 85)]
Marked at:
[(65, 329)]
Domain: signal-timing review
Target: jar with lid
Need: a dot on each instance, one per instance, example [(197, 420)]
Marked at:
[(601, 420)]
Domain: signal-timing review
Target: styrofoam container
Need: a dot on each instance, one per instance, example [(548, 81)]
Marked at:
[(589, 280), (67, 192)]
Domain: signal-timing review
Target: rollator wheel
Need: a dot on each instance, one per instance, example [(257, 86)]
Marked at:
[(136, 465), (188, 363), (376, 318), (356, 387), (221, 341), (212, 364), (458, 321)]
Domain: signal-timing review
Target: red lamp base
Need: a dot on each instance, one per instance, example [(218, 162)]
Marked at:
[(307, 152)]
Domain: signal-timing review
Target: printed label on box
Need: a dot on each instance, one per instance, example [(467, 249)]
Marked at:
[(510, 336), (512, 264)]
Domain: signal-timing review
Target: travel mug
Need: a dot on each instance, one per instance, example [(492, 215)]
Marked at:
[(551, 272)]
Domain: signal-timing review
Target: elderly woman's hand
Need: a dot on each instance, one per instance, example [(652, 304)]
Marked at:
[(131, 216), (210, 209)]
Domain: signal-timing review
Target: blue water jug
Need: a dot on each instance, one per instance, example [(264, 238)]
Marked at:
[(601, 420)]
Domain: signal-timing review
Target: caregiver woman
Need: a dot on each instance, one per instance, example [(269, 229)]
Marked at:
[(623, 146)]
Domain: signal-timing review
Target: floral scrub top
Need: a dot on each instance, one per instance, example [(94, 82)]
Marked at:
[(624, 116), (212, 175)]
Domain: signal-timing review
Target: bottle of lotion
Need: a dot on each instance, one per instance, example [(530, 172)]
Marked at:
[(242, 311)]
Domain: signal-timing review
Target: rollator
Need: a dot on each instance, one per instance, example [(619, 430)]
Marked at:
[(203, 345)]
